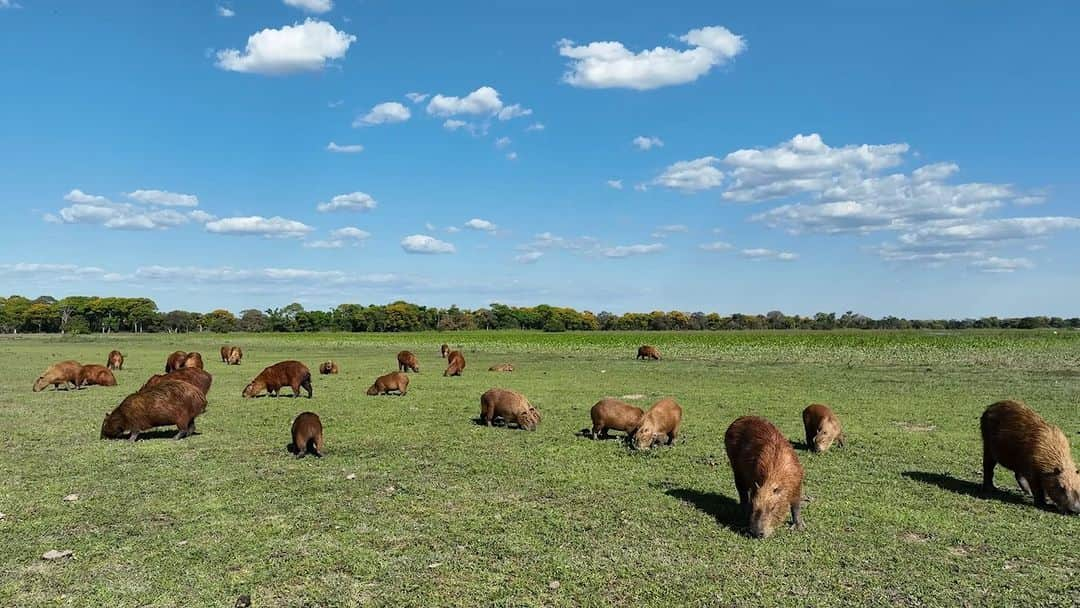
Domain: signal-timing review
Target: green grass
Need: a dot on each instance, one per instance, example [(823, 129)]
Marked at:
[(444, 512)]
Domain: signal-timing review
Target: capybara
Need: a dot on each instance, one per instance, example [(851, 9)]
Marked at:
[(612, 414), (822, 427), (193, 360), (394, 381), (198, 378), (235, 355), (648, 352), (175, 361), (407, 361), (225, 353), (166, 403), (1017, 438), (502, 367), (64, 372), (512, 407), (767, 472), (115, 361), (94, 374), (328, 367), (293, 374), (455, 363), (445, 350), (660, 422), (307, 435)]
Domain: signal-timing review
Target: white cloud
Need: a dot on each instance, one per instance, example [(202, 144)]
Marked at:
[(351, 233), (52, 271), (453, 229), (201, 216), (768, 254), (78, 196), (484, 101), (994, 231), (1002, 265), (384, 113), (94, 209), (622, 251), (452, 124), (312, 6), (692, 175), (669, 229), (600, 65), (647, 143), (416, 97), (615, 183), (716, 246), (502, 142), (513, 111), (325, 244), (302, 47), (536, 126), (224, 11), (353, 201), (512, 156), (1029, 200), (345, 148), (256, 225), (164, 198), (482, 225), (529, 257), (423, 244)]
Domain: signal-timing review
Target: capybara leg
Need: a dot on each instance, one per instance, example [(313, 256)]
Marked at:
[(318, 447), (840, 440), (1039, 495), (744, 495), (796, 516), (133, 436), (597, 430), (671, 438), (1023, 483), (988, 469), (307, 386)]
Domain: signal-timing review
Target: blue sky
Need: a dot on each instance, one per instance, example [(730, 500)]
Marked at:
[(917, 160)]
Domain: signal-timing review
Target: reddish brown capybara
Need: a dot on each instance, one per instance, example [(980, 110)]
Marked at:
[(394, 381), (307, 435), (501, 367), (175, 361), (293, 374), (822, 427), (612, 414), (648, 352), (1017, 438), (235, 355), (659, 423), (115, 360), (444, 350), (768, 474), (198, 378), (328, 367), (64, 372), (225, 353), (509, 406), (407, 361), (455, 363), (169, 402), (193, 360), (93, 374)]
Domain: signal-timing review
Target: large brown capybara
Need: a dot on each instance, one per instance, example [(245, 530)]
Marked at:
[(407, 361), (648, 352), (293, 374), (444, 350), (822, 427), (328, 367), (169, 402), (455, 363), (225, 353), (659, 423), (193, 360), (307, 435), (509, 406), (394, 381), (175, 361), (235, 355), (612, 414), (1017, 438), (768, 474), (64, 372), (94, 374), (115, 360), (198, 378), (501, 367)]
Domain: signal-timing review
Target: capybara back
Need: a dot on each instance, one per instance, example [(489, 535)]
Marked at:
[(307, 435), (198, 378)]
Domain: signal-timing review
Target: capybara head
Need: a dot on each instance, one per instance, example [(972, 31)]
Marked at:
[(529, 419), (769, 505), (828, 432), (112, 427), (373, 389), (254, 389), (41, 383), (1063, 487), (646, 435), (235, 354)]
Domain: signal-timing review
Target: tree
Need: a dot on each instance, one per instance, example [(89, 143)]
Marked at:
[(220, 321)]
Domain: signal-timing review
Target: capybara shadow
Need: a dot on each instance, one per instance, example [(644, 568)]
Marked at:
[(587, 434), (724, 509), (799, 445), (169, 434), (965, 487)]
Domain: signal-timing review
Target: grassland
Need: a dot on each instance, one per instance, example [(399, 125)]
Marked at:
[(444, 512)]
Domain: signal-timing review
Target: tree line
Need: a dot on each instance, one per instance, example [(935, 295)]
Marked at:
[(87, 314)]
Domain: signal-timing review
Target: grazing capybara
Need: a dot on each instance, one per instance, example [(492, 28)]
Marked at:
[(175, 361), (648, 352), (115, 360), (64, 372), (822, 427), (502, 367), (235, 355), (225, 353), (407, 361), (445, 350), (293, 374), (198, 378), (328, 367), (660, 422), (94, 374), (307, 435), (193, 360), (394, 381), (1017, 438), (612, 414), (768, 474), (510, 406), (455, 363), (166, 403)]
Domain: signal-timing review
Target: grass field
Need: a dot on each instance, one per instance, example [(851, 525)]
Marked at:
[(444, 512)]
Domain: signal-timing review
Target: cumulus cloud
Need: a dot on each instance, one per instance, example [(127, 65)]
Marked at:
[(340, 238), (601, 65), (615, 183), (483, 102), (312, 6), (529, 257), (716, 246), (481, 225), (301, 47), (692, 175), (768, 254), (384, 113), (513, 111), (622, 251), (416, 97), (648, 143), (54, 272), (452, 124), (257, 225), (351, 233), (95, 209), (345, 148), (164, 198), (223, 11), (78, 196), (353, 201), (423, 244)]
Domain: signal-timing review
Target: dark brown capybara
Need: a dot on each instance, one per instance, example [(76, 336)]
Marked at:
[(307, 435), (235, 355), (768, 474), (509, 406), (193, 360), (444, 350), (501, 367), (169, 402), (1017, 438), (293, 374), (115, 360), (612, 414), (329, 367), (407, 361), (822, 427), (225, 353), (648, 352), (175, 361), (198, 378), (394, 381), (93, 374), (455, 364), (660, 423), (64, 372)]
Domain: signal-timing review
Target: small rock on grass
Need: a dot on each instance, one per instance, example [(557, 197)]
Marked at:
[(351, 476), (71, 498), (54, 554), (554, 585)]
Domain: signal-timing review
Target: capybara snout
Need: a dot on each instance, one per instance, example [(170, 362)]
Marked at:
[(659, 424)]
